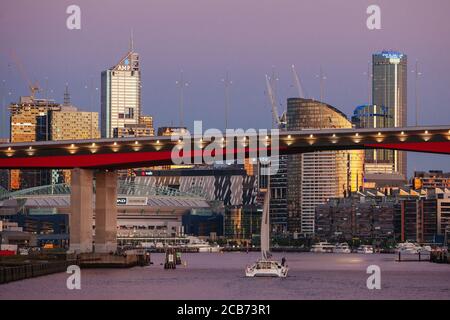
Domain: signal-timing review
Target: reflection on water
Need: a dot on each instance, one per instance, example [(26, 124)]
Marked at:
[(221, 276)]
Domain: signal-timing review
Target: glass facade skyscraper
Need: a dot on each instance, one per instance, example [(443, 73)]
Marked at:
[(121, 94), (373, 116), (389, 85), (312, 178)]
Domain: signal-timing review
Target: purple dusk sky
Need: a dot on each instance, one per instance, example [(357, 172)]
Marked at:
[(247, 38)]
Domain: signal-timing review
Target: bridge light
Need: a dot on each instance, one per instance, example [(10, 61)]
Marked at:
[(311, 136), (157, 141), (115, 143), (357, 134), (402, 133), (93, 144), (136, 142), (379, 133), (426, 131), (72, 145), (9, 148), (334, 135), (267, 137), (289, 136)]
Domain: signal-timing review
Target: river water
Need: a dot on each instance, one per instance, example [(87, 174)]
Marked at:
[(221, 276)]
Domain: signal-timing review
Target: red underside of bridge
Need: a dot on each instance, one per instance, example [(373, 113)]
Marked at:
[(141, 159)]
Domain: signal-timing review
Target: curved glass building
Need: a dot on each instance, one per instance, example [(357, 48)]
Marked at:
[(315, 177)]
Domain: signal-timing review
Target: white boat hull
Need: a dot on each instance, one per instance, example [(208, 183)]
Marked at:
[(268, 269)]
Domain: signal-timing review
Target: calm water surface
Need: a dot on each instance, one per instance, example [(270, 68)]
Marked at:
[(221, 276)]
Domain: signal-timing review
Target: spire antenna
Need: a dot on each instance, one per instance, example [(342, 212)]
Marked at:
[(131, 40)]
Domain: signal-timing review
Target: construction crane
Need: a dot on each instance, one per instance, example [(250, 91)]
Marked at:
[(298, 84), (278, 120), (34, 87)]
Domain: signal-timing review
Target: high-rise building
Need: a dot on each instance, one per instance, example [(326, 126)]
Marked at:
[(121, 94), (312, 178), (389, 90), (23, 128), (67, 123), (373, 116)]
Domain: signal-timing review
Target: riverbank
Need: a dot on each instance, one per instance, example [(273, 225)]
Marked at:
[(14, 268)]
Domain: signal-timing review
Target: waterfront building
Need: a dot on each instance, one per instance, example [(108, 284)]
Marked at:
[(121, 94), (203, 223), (389, 90), (242, 223), (403, 215), (145, 214), (364, 216), (312, 178)]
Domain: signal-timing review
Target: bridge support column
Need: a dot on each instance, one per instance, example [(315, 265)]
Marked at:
[(81, 211), (106, 211)]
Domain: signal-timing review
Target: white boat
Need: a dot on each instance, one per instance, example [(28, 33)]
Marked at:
[(365, 249), (266, 267), (322, 247), (342, 248), (412, 248), (201, 245)]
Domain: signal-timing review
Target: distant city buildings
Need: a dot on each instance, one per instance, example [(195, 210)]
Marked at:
[(46, 120), (402, 215), (242, 223), (23, 128), (362, 216), (313, 178), (431, 179), (121, 94)]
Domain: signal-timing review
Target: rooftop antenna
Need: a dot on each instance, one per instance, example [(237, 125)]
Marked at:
[(227, 84), (181, 85), (131, 40)]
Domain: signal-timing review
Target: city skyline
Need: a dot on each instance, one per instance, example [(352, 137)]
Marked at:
[(206, 56)]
